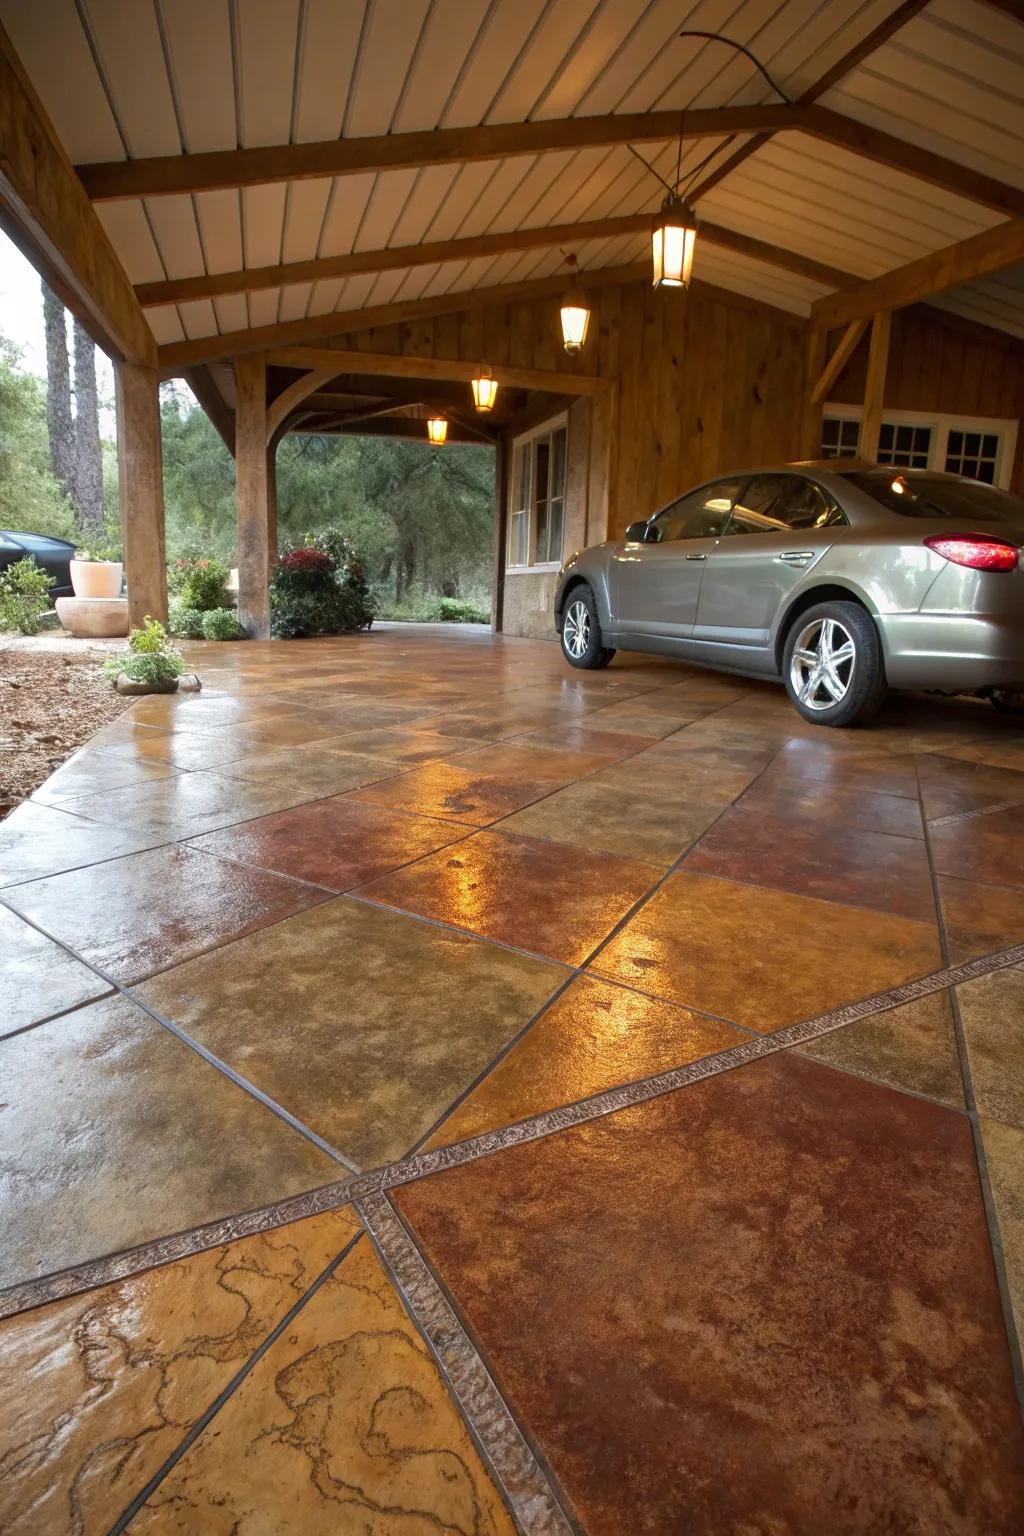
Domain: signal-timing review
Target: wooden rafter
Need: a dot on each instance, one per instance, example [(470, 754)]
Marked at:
[(979, 256), (453, 370), (396, 258), (167, 175), (202, 385), (842, 67), (48, 216), (899, 155)]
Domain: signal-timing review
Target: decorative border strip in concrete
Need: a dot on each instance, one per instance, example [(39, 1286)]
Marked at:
[(361, 1187), (533, 1501), (985, 810)]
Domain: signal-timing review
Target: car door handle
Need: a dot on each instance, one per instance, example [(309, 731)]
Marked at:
[(696, 557), (797, 556)]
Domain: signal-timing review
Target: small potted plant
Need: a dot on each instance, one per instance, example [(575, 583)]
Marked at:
[(151, 665), (96, 573)]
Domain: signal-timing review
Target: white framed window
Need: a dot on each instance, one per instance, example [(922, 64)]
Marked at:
[(536, 514), (980, 447)]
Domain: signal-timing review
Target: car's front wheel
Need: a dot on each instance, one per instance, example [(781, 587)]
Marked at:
[(832, 664), (582, 644)]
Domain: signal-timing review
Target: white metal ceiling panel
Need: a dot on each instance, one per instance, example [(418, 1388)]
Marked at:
[(132, 237), (446, 46), (173, 222), (199, 51), (387, 46), (220, 226), (126, 39), (65, 76), (266, 44), (327, 55)]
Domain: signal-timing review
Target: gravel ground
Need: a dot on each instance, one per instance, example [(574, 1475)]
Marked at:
[(53, 696)]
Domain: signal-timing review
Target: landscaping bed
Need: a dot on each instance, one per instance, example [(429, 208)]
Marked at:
[(53, 697)]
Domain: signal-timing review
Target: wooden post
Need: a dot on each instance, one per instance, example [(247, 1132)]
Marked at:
[(874, 389), (810, 427), (251, 493), (140, 473), (502, 473), (271, 507)]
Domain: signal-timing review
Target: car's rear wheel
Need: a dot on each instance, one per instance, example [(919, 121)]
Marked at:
[(581, 631), (832, 664)]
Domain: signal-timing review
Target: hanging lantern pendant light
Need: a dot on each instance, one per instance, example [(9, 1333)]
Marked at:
[(673, 237), (437, 430), (485, 390), (575, 314)]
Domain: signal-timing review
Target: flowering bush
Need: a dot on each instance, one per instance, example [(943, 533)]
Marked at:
[(319, 588)]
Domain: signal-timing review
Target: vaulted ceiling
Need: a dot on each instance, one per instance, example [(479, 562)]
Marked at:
[(791, 215)]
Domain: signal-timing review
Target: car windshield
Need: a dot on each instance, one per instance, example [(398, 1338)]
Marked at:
[(938, 496)]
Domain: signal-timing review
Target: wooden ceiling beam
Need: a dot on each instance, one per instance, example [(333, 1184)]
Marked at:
[(168, 175), (202, 384), (314, 328), (48, 216), (980, 256), (453, 370), (397, 258), (177, 355), (899, 155)]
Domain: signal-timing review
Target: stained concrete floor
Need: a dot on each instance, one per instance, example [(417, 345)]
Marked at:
[(444, 1092)]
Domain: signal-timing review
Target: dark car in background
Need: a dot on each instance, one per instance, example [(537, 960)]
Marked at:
[(54, 555), (837, 578)]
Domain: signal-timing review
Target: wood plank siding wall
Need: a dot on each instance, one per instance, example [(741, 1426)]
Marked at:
[(952, 367), (706, 381)]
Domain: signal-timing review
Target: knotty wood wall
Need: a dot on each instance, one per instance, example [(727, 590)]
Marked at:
[(939, 363), (707, 380)]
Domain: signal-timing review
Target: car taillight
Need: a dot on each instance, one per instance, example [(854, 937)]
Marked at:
[(977, 550)]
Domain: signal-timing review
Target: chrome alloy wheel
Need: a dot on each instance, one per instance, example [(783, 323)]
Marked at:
[(576, 630), (822, 663)]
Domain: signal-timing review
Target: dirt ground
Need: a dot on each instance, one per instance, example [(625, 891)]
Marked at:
[(53, 696)]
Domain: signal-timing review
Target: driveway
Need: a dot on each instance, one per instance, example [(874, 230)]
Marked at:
[(444, 1092)]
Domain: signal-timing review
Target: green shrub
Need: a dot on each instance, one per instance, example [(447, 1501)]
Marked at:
[(199, 582), (221, 624), (454, 610), (186, 623), (24, 596), (320, 589), (150, 658)]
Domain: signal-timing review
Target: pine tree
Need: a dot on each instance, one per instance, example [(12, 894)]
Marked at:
[(59, 420), (88, 453)]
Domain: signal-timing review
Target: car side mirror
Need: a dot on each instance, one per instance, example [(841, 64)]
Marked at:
[(636, 533)]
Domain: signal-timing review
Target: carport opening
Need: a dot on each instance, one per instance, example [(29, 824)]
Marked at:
[(421, 518)]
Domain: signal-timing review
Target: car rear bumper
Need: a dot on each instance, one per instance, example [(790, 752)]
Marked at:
[(955, 653)]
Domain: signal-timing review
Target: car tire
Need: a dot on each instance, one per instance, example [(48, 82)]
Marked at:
[(832, 664), (580, 631)]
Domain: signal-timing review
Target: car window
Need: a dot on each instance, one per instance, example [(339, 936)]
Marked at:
[(38, 543), (9, 545), (934, 496), (781, 504), (701, 515)]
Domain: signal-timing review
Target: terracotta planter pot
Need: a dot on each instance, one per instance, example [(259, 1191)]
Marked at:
[(96, 578)]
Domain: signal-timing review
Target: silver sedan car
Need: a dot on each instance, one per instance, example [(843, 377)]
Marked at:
[(840, 578)]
